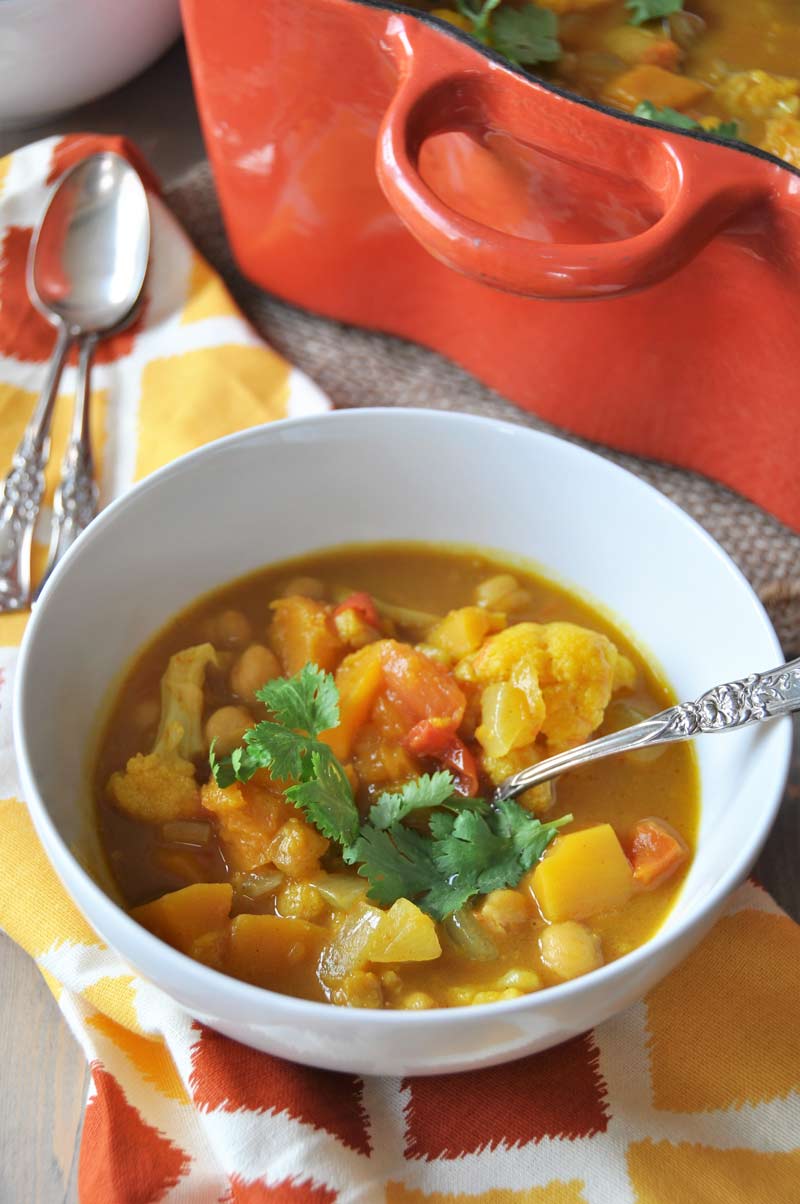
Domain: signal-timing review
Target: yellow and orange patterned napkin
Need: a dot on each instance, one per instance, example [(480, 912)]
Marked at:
[(690, 1097)]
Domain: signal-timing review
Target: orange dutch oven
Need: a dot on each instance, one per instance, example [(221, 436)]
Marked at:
[(379, 167)]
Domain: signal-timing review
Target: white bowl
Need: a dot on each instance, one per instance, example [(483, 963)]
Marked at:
[(295, 486), (55, 55)]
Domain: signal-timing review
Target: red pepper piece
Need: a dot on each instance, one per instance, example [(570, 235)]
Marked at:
[(361, 603), (436, 738)]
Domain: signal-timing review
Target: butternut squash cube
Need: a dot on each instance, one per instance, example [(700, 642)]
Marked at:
[(662, 88), (303, 631), (279, 954), (463, 631), (359, 679), (182, 916), (404, 934), (582, 874)]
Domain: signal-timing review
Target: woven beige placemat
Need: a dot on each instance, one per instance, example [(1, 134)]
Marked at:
[(361, 368)]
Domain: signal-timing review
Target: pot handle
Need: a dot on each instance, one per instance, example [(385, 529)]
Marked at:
[(701, 187)]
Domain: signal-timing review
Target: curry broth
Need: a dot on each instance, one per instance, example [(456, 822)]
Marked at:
[(618, 790)]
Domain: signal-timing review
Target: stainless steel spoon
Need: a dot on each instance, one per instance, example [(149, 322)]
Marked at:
[(86, 269), (725, 708)]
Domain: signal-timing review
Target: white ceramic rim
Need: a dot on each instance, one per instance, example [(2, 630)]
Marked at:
[(249, 997)]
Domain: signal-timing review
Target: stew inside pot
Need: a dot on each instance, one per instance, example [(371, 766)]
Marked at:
[(293, 785), (730, 67)]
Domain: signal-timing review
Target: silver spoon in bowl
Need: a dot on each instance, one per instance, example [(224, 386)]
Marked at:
[(86, 270), (724, 708)]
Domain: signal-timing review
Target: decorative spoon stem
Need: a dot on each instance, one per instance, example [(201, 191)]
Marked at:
[(75, 499), (23, 487)]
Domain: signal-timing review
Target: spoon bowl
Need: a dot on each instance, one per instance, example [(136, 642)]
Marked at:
[(89, 256)]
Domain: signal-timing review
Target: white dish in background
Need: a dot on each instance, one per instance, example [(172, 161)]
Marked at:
[(56, 55), (295, 486)]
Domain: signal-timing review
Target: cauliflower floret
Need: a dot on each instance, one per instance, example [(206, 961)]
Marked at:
[(160, 786), (157, 788), (782, 138), (566, 672), (756, 93), (247, 816), (577, 679), (538, 799), (182, 699)]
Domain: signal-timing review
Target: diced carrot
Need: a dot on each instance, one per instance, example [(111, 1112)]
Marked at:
[(425, 686), (302, 631), (363, 604), (436, 738), (359, 679), (655, 851)]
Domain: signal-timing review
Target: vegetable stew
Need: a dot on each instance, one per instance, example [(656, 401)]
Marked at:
[(730, 67), (294, 784)]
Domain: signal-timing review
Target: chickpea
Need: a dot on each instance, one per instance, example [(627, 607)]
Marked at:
[(231, 629), (504, 910), (495, 996), (570, 949), (502, 593), (256, 666), (307, 587), (360, 989), (521, 980), (227, 726), (417, 1001)]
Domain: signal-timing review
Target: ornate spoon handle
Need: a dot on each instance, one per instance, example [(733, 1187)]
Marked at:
[(75, 500), (22, 490), (734, 705)]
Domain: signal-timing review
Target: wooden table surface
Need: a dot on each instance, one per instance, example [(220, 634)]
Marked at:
[(43, 1075)]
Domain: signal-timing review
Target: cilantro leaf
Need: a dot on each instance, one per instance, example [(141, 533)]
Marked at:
[(307, 702), (650, 10), (725, 129), (475, 850), (283, 751), (430, 790), (302, 707), (667, 116), (529, 836), (526, 35), (487, 852), (397, 862), (326, 797), (222, 768), (478, 16), (238, 767)]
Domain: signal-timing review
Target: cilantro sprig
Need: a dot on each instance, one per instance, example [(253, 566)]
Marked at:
[(651, 10), (472, 849), (302, 707), (681, 121), (525, 35), (470, 846)]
